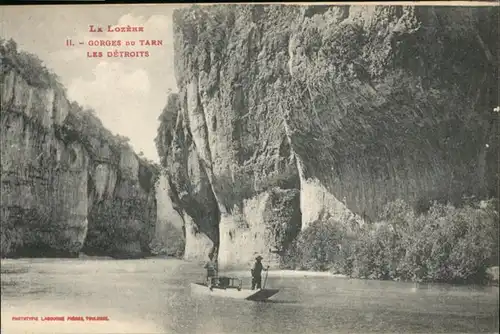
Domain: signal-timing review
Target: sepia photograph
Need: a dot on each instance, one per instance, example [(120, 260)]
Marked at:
[(250, 168)]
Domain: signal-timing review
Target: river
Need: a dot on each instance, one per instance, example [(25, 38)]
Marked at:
[(153, 296)]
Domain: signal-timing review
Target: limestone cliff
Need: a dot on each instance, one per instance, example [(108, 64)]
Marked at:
[(288, 114), (169, 232), (67, 184)]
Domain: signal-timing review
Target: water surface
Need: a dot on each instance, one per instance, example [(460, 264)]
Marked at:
[(153, 296)]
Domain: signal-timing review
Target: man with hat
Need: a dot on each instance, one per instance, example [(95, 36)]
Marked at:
[(256, 273), (211, 267)]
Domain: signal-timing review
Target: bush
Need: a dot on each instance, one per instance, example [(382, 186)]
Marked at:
[(28, 65), (445, 244), (451, 244), (316, 248)]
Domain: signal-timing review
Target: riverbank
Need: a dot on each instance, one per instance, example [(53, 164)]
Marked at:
[(493, 273), (285, 273)]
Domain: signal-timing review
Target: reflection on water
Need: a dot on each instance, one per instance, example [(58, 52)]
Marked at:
[(153, 296)]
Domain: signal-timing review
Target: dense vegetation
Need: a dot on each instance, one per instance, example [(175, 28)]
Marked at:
[(444, 244), (28, 65)]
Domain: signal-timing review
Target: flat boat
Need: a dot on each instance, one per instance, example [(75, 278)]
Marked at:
[(227, 288)]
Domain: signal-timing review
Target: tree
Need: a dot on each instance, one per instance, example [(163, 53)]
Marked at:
[(11, 47)]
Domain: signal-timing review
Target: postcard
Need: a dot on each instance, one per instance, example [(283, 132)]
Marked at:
[(250, 168)]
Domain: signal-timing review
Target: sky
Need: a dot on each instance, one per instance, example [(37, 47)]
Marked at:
[(128, 94)]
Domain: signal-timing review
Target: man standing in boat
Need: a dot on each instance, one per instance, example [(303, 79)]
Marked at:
[(211, 267), (257, 273)]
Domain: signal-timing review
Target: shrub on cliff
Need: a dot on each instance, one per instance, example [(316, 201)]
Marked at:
[(28, 65)]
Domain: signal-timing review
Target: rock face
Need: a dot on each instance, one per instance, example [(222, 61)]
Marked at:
[(335, 110), (67, 184), (170, 236)]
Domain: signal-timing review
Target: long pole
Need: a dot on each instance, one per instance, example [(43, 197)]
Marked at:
[(265, 279)]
